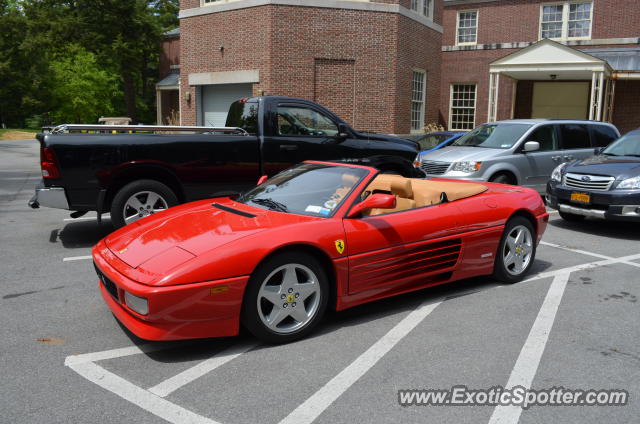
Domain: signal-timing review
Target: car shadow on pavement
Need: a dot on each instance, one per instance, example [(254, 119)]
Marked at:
[(202, 349), (600, 227), (81, 234)]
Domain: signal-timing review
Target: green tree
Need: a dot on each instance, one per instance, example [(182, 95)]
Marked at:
[(82, 91)]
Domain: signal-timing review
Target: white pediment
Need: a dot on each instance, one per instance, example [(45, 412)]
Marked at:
[(547, 52)]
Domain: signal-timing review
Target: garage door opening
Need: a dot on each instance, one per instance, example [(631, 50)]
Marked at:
[(216, 99), (560, 100)]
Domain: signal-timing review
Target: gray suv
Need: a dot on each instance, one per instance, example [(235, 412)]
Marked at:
[(523, 152)]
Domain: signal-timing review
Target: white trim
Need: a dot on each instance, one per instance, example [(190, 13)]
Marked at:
[(477, 12), (423, 107), (523, 44), (249, 76), (363, 5)]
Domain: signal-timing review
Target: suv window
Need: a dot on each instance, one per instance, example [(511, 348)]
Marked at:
[(299, 120), (574, 136), (546, 136), (603, 135)]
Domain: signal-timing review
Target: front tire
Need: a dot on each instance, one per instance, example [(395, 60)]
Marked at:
[(139, 199), (502, 179), (516, 251), (286, 298)]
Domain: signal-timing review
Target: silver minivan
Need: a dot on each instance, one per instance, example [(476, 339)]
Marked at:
[(523, 152)]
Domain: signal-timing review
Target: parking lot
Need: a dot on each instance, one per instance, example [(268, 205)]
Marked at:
[(573, 324)]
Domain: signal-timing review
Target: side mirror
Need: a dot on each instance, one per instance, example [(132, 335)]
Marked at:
[(378, 200), (263, 179), (598, 150), (343, 132), (531, 146)]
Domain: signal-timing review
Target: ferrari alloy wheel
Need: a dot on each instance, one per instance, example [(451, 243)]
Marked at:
[(139, 199), (286, 298), (516, 252)]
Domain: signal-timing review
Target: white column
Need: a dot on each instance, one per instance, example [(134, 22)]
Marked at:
[(514, 90), (158, 107), (600, 97), (592, 96), (494, 86)]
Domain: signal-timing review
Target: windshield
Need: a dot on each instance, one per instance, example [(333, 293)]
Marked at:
[(495, 136), (307, 189), (627, 145)]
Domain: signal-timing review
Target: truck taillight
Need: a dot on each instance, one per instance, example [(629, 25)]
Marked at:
[(48, 163)]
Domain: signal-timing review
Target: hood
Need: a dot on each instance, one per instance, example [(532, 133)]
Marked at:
[(615, 166), (464, 153), (166, 240), (388, 137)]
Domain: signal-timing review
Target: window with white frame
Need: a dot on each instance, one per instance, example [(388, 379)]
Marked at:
[(423, 7), (566, 21), (467, 27), (418, 94), (462, 107)]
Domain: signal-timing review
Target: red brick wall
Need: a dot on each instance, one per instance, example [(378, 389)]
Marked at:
[(509, 21), (291, 45), (169, 55), (626, 114)]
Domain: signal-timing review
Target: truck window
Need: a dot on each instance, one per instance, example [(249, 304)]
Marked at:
[(574, 137), (298, 120), (546, 136), (603, 135), (244, 115)]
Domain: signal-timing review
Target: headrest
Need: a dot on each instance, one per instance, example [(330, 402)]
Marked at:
[(402, 187), (348, 180)]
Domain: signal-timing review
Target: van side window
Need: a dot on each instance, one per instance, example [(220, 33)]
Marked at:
[(603, 135), (546, 136), (574, 136)]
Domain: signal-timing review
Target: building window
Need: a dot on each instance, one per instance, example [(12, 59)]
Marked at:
[(423, 7), (418, 94), (462, 109), (566, 21), (467, 28)]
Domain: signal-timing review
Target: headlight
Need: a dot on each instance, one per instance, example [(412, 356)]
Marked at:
[(138, 304), (417, 161), (467, 167), (556, 175), (629, 184)]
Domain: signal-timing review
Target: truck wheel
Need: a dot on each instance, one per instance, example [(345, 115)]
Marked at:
[(286, 298), (139, 199)]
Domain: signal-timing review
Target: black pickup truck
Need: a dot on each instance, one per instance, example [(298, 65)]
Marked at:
[(132, 171)]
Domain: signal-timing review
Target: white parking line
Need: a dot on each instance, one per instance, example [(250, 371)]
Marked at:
[(527, 364), (187, 376), (582, 267), (158, 406), (584, 252), (323, 398), (77, 258)]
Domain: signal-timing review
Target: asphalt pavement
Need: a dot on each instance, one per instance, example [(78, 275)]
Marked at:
[(65, 359)]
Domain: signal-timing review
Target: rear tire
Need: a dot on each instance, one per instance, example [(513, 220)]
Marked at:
[(571, 217), (296, 280), (139, 199), (516, 251)]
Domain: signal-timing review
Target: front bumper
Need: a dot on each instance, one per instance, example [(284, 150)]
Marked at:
[(619, 205), (189, 311), (50, 197)]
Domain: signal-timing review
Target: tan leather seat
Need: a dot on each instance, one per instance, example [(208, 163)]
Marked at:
[(403, 190)]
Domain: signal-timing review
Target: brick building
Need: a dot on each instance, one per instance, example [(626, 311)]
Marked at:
[(394, 65)]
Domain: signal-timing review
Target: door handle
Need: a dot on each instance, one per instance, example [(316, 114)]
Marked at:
[(568, 157), (556, 158), (288, 147)]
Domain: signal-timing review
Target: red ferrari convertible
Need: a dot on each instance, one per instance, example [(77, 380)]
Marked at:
[(317, 235)]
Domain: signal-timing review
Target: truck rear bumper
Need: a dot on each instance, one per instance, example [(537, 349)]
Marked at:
[(50, 197)]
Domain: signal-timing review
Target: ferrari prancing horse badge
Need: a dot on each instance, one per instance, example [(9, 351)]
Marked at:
[(340, 246)]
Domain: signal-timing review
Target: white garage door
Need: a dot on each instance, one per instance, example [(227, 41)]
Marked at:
[(561, 100), (216, 100)]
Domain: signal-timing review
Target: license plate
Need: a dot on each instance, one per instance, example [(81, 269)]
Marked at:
[(581, 197)]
